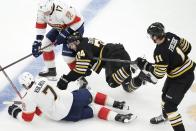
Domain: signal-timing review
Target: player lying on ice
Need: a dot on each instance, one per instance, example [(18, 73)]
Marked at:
[(42, 98)]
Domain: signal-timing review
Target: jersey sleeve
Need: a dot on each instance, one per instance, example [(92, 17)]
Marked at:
[(28, 108), (41, 25), (71, 17), (185, 46), (83, 60), (161, 64)]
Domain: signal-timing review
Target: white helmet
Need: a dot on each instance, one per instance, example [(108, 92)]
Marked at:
[(45, 6), (26, 79)]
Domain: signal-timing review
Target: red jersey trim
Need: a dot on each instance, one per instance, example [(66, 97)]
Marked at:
[(76, 20)]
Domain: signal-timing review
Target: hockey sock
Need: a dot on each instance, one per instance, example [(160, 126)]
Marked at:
[(176, 121), (103, 99), (49, 59)]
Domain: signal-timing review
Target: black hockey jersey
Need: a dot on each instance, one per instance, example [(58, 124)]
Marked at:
[(171, 57), (86, 51)]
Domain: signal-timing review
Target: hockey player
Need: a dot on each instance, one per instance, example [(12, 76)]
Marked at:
[(64, 20), (117, 73), (171, 58), (42, 98)]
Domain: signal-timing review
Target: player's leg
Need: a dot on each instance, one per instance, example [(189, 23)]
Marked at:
[(81, 99), (176, 91), (48, 54), (87, 113), (109, 115), (117, 72), (177, 94), (133, 84), (141, 78), (103, 99)]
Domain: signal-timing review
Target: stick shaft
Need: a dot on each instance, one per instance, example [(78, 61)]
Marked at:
[(12, 102), (114, 60), (12, 84), (21, 59)]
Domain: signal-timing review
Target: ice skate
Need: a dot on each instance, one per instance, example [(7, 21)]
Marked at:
[(125, 118), (147, 76), (50, 74), (82, 82), (158, 119), (121, 105)]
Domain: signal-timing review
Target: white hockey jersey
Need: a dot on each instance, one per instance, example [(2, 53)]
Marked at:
[(62, 16), (43, 98)]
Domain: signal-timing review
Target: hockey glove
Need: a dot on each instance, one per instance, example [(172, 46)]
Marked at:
[(36, 48), (142, 63), (62, 83), (13, 110)]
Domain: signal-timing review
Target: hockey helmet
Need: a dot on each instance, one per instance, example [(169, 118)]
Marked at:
[(46, 6), (26, 79), (156, 29), (74, 37)]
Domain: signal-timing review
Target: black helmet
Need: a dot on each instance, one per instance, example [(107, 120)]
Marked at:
[(156, 29), (74, 37)]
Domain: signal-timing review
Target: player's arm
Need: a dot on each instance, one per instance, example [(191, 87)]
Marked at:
[(19, 113), (41, 26), (81, 69), (158, 69), (26, 112), (185, 46), (40, 32), (29, 115), (71, 17)]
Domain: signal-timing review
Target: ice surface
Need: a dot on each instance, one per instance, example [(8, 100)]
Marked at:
[(119, 21)]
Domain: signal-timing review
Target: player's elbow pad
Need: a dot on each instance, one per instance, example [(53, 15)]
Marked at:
[(185, 46)]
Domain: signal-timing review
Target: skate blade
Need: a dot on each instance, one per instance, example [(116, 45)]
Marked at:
[(52, 78), (133, 117)]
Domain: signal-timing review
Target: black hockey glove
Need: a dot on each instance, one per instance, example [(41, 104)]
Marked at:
[(13, 110), (142, 63), (62, 83)]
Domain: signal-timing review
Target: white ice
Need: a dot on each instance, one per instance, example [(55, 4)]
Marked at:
[(120, 21)]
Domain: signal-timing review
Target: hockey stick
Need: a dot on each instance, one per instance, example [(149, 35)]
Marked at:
[(115, 60), (13, 63), (12, 102), (12, 84)]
